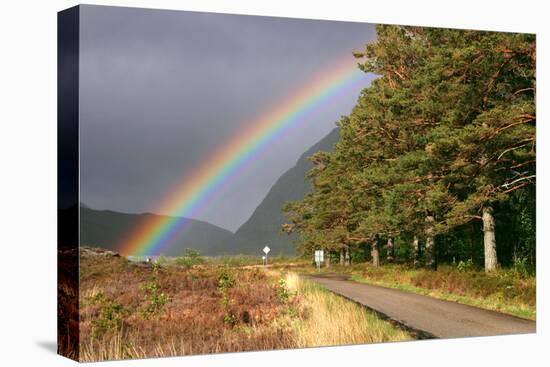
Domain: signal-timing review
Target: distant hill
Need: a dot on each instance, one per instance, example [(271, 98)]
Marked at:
[(103, 228), (263, 227)]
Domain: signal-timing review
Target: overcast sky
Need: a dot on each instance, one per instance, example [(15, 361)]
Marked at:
[(161, 90)]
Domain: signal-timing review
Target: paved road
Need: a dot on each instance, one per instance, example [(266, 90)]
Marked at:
[(428, 316)]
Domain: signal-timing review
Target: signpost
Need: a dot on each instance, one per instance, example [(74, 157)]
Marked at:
[(266, 251), (263, 260), (319, 258)]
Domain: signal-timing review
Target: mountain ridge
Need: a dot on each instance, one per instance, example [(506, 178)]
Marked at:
[(105, 228), (263, 226)]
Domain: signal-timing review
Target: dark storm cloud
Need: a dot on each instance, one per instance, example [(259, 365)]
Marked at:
[(160, 90)]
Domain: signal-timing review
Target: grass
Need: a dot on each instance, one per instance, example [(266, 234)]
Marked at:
[(130, 310), (244, 260), (333, 320), (136, 311), (503, 290), (227, 260), (67, 304)]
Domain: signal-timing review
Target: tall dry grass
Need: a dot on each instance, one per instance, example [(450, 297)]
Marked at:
[(333, 320)]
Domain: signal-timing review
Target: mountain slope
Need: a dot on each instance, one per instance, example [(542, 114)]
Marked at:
[(104, 228), (263, 227)]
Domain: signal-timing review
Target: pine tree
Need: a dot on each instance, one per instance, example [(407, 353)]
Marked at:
[(444, 136)]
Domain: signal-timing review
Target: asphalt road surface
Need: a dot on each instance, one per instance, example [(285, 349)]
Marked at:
[(426, 316)]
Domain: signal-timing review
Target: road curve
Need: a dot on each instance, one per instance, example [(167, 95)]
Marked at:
[(427, 316)]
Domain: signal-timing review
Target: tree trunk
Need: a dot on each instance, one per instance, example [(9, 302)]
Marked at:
[(341, 256), (347, 257), (327, 259), (389, 247), (430, 242), (489, 240), (415, 250), (375, 254)]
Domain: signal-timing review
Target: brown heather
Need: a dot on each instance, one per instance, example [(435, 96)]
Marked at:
[(193, 320)]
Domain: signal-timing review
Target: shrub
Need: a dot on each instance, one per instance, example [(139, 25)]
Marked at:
[(226, 281), (155, 266), (190, 258), (284, 296), (465, 266), (521, 267), (155, 299), (111, 314), (282, 291)]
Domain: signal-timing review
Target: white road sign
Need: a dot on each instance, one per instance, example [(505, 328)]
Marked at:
[(266, 250), (319, 256)]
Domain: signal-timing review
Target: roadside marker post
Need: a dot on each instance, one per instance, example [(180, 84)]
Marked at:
[(263, 260), (319, 258), (266, 251)]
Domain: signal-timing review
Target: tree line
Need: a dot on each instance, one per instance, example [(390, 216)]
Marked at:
[(436, 161)]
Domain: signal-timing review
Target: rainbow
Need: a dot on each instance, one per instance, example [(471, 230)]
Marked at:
[(154, 234)]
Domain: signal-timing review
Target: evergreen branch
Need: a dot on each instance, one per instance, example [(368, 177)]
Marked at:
[(508, 184), (516, 187), (492, 81), (523, 90), (511, 149), (528, 118), (523, 163)]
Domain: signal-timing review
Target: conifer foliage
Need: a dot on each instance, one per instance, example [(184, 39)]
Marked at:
[(437, 158)]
